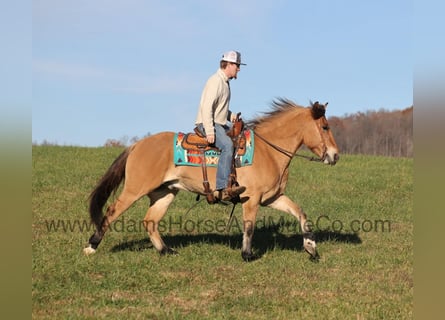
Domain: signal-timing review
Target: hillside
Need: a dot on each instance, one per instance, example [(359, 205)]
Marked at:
[(362, 213)]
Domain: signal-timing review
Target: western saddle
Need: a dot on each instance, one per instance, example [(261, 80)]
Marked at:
[(198, 142)]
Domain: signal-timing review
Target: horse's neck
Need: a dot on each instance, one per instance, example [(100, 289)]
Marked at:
[(289, 138)]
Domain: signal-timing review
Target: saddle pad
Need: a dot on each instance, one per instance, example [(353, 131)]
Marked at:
[(185, 157)]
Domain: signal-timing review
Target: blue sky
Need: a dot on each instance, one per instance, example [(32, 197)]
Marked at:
[(114, 68)]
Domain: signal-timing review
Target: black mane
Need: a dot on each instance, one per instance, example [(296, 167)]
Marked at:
[(278, 106)]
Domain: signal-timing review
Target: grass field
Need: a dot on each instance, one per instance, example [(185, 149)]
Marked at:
[(363, 219)]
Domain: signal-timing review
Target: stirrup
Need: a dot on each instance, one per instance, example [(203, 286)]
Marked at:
[(231, 193)]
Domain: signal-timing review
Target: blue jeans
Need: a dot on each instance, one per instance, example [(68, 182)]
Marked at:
[(225, 144)]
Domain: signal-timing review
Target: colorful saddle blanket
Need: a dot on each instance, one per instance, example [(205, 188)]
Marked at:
[(189, 157)]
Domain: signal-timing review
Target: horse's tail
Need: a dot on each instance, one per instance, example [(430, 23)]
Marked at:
[(108, 184)]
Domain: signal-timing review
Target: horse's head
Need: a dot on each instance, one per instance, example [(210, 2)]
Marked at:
[(318, 137)]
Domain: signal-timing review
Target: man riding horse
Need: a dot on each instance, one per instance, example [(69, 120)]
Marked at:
[(212, 118)]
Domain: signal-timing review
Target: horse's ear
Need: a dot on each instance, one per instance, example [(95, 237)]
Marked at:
[(318, 110), (326, 105)]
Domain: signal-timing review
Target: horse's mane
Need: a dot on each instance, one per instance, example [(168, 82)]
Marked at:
[(278, 106)]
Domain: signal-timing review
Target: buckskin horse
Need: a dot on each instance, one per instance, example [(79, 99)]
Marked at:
[(147, 169)]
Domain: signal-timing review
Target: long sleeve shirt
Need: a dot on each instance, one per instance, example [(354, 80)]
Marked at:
[(214, 104)]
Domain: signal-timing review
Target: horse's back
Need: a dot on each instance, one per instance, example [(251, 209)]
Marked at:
[(158, 138), (153, 155), (154, 147)]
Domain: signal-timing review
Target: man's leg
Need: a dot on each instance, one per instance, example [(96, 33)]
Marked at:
[(225, 144)]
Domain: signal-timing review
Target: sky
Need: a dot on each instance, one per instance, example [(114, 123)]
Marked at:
[(118, 69)]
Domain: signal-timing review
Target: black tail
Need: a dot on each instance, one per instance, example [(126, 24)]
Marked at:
[(108, 184)]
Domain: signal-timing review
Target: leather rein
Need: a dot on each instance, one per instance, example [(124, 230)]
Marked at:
[(286, 152)]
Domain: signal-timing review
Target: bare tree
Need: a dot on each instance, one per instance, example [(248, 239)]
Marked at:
[(387, 133)]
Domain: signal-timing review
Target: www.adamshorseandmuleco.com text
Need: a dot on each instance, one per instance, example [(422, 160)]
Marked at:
[(179, 225)]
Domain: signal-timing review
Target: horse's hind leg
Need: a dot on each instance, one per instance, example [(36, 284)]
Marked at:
[(283, 203), (122, 203), (160, 199)]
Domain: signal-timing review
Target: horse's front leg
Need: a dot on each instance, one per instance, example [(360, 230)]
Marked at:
[(283, 203), (249, 218)]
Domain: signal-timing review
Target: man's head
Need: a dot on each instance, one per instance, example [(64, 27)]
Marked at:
[(230, 63)]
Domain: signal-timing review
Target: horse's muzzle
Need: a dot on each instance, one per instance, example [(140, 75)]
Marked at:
[(330, 157)]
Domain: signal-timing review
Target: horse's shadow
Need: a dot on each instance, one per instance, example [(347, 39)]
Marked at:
[(265, 239)]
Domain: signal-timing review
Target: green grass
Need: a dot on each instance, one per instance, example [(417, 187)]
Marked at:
[(365, 270)]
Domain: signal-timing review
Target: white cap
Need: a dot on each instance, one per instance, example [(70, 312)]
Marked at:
[(232, 56)]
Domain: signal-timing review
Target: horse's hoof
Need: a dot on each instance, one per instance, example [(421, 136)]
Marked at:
[(315, 257), (311, 248), (309, 245), (89, 250), (249, 257), (167, 251)]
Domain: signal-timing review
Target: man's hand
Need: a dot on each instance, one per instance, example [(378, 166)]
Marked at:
[(210, 138)]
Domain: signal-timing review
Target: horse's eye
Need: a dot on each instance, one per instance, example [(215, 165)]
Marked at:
[(325, 128)]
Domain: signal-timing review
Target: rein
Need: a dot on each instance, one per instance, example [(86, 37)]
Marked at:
[(286, 152)]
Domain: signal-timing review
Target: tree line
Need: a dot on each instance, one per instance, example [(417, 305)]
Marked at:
[(385, 133)]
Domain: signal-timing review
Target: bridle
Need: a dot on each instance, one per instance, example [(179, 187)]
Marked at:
[(289, 153)]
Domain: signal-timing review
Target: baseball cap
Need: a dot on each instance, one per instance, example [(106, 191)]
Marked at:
[(232, 56)]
